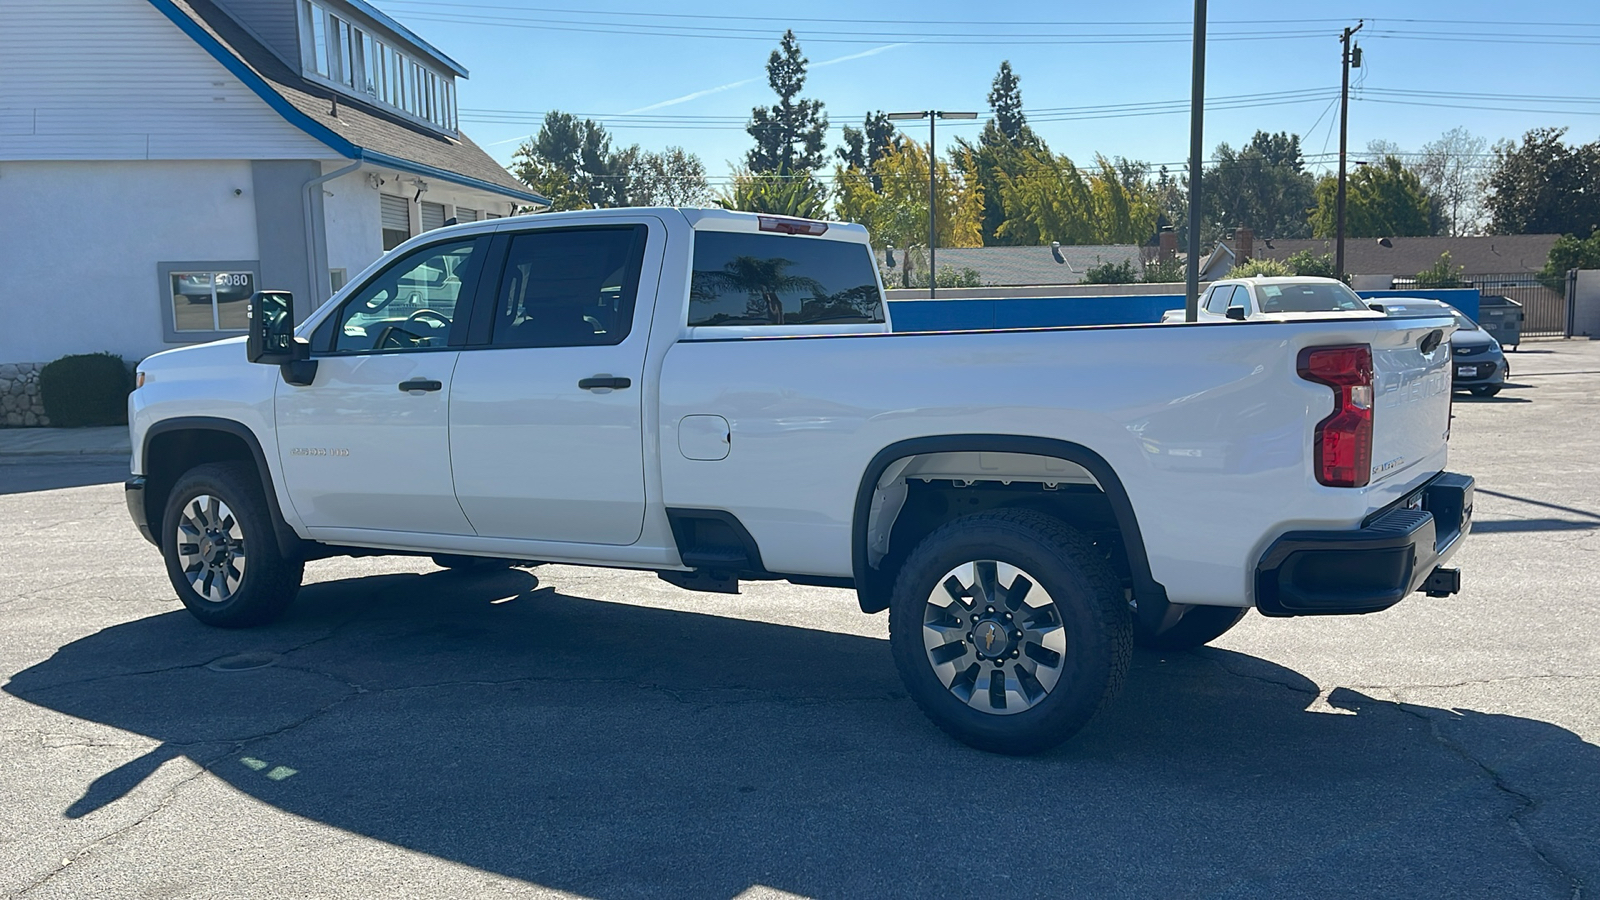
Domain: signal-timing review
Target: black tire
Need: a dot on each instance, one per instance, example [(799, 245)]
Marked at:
[(1200, 625), (1093, 616), (267, 581), (472, 563), (1486, 391)]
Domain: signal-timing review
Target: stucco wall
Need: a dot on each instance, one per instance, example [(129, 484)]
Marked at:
[(350, 210), (1586, 308), (79, 243)]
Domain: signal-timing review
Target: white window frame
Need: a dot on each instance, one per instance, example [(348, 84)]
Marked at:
[(346, 55)]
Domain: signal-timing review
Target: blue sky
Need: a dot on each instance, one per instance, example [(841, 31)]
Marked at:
[(529, 56)]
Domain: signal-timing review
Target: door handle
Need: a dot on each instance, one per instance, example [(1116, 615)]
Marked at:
[(420, 384), (605, 382)]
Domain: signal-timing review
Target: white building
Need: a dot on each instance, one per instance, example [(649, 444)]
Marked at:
[(162, 159)]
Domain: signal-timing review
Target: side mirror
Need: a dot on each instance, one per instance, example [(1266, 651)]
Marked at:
[(271, 341), (1236, 313), (271, 336)]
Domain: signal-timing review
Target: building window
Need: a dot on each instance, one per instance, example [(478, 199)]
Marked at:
[(341, 52), (204, 300), (396, 214)]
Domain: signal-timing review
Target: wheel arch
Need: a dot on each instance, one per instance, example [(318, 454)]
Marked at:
[(173, 446), (873, 587)]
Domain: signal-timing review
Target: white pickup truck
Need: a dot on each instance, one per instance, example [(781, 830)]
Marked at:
[(718, 396)]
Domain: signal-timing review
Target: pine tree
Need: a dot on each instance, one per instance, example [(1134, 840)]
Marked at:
[(1005, 98), (789, 134)]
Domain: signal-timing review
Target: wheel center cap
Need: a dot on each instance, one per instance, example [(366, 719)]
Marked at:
[(212, 551), (991, 639)]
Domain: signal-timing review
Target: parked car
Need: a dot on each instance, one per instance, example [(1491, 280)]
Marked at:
[(1480, 364), (718, 397), (1275, 300)]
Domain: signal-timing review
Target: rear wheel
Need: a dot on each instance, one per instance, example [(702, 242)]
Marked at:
[(1486, 391), (1009, 630), (221, 552), (1200, 625)]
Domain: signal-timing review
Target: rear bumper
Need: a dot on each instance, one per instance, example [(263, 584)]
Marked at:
[(133, 491), (1330, 573)]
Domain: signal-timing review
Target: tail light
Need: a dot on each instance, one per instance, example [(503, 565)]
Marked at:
[(1344, 439)]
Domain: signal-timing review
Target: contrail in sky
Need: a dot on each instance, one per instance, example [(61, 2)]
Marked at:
[(731, 85), (736, 84)]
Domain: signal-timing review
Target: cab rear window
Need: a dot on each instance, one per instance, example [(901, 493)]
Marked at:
[(766, 279)]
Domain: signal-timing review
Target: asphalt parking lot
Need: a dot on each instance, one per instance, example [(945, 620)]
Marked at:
[(408, 731)]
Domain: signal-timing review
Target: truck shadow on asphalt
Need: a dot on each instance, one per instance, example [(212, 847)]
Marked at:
[(615, 750)]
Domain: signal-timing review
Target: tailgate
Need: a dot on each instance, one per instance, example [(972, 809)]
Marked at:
[(1411, 406)]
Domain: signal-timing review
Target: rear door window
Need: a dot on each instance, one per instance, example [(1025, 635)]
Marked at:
[(569, 288), (770, 279)]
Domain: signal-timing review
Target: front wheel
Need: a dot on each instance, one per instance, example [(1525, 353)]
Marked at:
[(1009, 630), (221, 552)]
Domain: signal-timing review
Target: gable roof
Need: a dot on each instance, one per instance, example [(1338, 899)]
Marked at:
[(1019, 266), (1493, 254), (351, 128)]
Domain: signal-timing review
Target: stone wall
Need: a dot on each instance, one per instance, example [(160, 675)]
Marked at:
[(20, 403)]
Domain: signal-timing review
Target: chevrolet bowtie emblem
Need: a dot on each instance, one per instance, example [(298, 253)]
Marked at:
[(988, 640)]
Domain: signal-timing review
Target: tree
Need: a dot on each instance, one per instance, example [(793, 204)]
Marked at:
[(1441, 274), (775, 194), (1544, 186), (673, 177), (1000, 152), (1384, 199), (1449, 170), (865, 146), (1054, 200), (572, 162), (1263, 186), (897, 215), (1569, 253), (789, 134), (1005, 98)]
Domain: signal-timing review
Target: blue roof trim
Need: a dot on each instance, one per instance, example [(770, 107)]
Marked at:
[(255, 82), (312, 127), (383, 18), (416, 168)]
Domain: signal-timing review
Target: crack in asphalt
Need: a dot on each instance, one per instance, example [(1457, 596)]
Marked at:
[(1527, 801), (1514, 819), (166, 800)]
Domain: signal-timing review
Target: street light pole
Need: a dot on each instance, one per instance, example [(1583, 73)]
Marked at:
[(932, 115), (1344, 130), (1197, 116)]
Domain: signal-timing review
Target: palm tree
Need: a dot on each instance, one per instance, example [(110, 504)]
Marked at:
[(762, 279)]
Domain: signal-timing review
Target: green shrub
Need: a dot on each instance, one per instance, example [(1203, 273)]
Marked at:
[(1441, 274), (87, 389), (1305, 262), (1268, 267), (1111, 273), (1164, 271)]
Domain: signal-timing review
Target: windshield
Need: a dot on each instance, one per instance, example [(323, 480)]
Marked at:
[(1462, 322), (1286, 298)]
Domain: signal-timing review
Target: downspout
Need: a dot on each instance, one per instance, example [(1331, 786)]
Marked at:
[(311, 230)]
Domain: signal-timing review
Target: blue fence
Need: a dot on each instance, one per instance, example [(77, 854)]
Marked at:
[(1046, 312)]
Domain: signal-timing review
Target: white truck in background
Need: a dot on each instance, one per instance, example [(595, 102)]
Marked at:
[(718, 396)]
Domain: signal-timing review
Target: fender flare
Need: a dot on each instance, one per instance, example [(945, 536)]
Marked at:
[(873, 593), (289, 543)]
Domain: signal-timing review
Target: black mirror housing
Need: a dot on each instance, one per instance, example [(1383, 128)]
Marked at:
[(1236, 313), (270, 340)]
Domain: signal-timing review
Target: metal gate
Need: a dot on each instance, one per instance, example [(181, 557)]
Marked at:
[(1544, 307)]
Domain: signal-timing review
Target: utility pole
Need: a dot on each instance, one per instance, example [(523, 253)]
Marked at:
[(1197, 113), (1345, 66), (932, 115)]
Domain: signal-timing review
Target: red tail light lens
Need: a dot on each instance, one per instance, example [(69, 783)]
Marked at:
[(1344, 439)]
